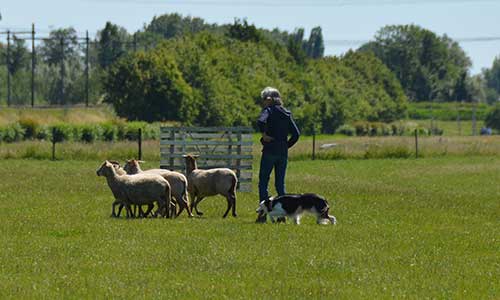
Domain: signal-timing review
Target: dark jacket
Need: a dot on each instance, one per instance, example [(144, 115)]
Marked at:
[(277, 122)]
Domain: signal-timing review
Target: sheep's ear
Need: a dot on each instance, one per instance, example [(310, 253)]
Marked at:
[(141, 161), (195, 155), (184, 155)]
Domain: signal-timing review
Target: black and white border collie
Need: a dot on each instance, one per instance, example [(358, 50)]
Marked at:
[(294, 205)]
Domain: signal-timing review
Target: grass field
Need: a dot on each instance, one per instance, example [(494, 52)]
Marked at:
[(71, 115), (424, 228)]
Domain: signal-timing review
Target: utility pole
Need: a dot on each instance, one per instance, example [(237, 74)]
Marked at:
[(8, 69), (87, 70), (61, 100), (33, 55), (474, 108)]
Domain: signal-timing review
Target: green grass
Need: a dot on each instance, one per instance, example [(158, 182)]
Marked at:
[(447, 111), (407, 229)]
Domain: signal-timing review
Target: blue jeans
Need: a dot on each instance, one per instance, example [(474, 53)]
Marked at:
[(267, 163)]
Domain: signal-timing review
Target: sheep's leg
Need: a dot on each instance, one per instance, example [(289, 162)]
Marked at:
[(168, 207), (196, 202), (185, 200), (229, 201), (173, 209), (233, 202), (113, 208), (180, 204), (129, 211)]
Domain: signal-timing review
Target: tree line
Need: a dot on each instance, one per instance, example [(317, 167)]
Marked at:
[(184, 69)]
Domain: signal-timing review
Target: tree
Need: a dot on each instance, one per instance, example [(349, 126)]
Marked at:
[(492, 81), (18, 56), (149, 87), (61, 52), (315, 47), (244, 32), (174, 25), (428, 66), (296, 47), (62, 44), (493, 118), (111, 41)]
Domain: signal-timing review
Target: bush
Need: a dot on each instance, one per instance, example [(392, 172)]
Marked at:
[(347, 130), (61, 133), (88, 133), (43, 132), (13, 133), (493, 118), (30, 127), (109, 132)]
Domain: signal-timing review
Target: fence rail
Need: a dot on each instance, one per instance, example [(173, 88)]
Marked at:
[(217, 147)]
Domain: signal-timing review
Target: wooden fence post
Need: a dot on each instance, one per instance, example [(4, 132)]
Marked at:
[(139, 140), (314, 144), (416, 143), (53, 144)]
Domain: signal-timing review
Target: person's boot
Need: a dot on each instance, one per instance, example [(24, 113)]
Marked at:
[(281, 220)]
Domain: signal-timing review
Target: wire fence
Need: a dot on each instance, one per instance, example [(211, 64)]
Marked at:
[(55, 70)]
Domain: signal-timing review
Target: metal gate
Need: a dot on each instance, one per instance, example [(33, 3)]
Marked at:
[(217, 147)]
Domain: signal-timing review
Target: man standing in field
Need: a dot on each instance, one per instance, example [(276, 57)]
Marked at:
[(276, 124)]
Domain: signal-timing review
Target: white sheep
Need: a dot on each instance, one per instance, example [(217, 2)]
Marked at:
[(120, 171), (138, 189), (211, 182), (178, 182)]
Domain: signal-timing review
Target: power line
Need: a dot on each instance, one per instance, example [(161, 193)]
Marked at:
[(460, 40), (301, 3)]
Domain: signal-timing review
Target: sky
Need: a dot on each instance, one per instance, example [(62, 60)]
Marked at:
[(345, 23)]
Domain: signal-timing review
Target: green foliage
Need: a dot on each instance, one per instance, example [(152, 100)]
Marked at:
[(18, 56), (244, 32), (346, 130), (493, 118), (111, 41), (211, 80), (12, 133), (428, 66), (315, 46), (61, 133), (30, 127), (492, 80), (149, 87)]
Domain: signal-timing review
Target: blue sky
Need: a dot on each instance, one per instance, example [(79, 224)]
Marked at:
[(356, 20)]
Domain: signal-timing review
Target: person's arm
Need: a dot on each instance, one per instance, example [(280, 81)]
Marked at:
[(294, 131), (262, 123)]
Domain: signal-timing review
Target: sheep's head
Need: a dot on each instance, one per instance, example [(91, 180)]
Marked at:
[(132, 166), (190, 163), (105, 169), (118, 168)]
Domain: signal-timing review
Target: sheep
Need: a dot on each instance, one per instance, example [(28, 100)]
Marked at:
[(204, 183), (178, 183), (120, 171), (138, 189)]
